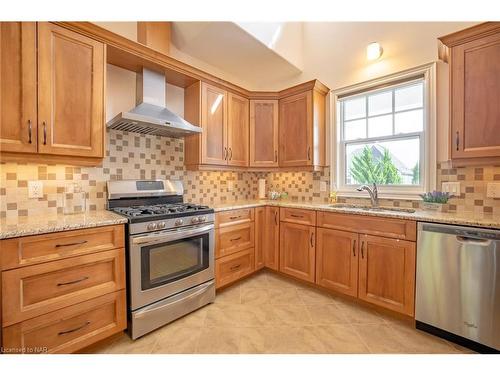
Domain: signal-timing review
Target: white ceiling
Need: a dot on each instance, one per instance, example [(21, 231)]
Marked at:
[(232, 49)]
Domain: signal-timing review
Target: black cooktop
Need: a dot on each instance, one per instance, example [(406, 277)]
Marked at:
[(160, 211)]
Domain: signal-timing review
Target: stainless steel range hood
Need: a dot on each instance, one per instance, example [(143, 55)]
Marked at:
[(151, 116)]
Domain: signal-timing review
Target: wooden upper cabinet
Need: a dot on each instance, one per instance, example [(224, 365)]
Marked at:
[(18, 112), (296, 130), (70, 93), (214, 124), (297, 250), (264, 137), (337, 255), (387, 273), (237, 130), (272, 238), (302, 129), (474, 56)]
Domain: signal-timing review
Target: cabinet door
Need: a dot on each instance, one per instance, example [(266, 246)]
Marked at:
[(297, 250), (296, 130), (337, 260), (387, 273), (18, 123), (475, 84), (70, 93), (264, 133), (237, 131), (214, 124), (272, 238), (260, 232)]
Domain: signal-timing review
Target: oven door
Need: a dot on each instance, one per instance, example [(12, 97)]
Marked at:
[(168, 262)]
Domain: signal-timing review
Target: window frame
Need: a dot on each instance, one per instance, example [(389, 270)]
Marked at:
[(427, 136)]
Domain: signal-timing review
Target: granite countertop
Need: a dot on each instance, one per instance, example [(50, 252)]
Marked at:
[(32, 225), (457, 218)]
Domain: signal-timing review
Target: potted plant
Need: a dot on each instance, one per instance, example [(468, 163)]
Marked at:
[(435, 201)]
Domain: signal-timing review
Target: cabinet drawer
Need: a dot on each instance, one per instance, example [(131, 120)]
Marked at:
[(226, 218), (298, 216), (40, 289), (25, 251), (233, 267), (385, 227), (69, 329), (234, 238)]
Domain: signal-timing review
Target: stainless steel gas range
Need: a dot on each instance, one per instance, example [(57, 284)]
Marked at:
[(170, 252)]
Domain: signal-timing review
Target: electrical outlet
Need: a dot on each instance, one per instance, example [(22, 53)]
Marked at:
[(451, 187), (322, 186), (35, 189), (230, 185), (493, 190)]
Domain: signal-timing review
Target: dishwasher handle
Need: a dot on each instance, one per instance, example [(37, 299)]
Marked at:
[(473, 241)]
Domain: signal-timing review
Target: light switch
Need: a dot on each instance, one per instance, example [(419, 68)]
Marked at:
[(35, 189), (493, 190), (451, 187)]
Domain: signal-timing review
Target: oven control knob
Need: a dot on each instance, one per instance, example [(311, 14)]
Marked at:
[(195, 220), (179, 222), (151, 226), (202, 219), (162, 225)]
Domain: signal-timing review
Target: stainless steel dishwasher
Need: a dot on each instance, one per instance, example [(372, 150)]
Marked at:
[(458, 284)]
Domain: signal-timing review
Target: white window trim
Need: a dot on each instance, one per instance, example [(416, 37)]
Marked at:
[(428, 71)]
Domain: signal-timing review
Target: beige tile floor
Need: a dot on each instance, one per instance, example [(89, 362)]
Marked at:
[(268, 313)]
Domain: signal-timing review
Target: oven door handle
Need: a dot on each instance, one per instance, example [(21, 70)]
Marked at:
[(171, 235)]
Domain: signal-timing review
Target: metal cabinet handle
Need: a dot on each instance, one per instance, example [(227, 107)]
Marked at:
[(276, 217), (362, 249), (298, 216), (234, 217), (71, 244), (233, 268), (29, 131), (74, 281), (312, 240), (44, 133), (74, 329), (275, 156), (308, 152), (235, 239), (457, 141), (230, 153), (354, 249)]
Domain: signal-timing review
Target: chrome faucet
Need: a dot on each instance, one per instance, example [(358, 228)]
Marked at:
[(373, 193)]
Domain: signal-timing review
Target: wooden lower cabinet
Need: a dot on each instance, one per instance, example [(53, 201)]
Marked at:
[(387, 273), (234, 238), (233, 267), (272, 238), (260, 236), (337, 254), (69, 329), (297, 250)]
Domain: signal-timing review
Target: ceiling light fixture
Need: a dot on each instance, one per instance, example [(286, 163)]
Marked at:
[(374, 51)]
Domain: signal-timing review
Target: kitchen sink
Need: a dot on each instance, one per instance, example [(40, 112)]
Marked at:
[(370, 208)]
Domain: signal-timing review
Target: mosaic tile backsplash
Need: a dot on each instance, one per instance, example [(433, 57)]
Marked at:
[(134, 156)]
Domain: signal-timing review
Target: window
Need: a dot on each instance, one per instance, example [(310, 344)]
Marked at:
[(384, 133)]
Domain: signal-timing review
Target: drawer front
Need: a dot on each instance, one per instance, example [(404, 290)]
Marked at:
[(69, 329), (226, 218), (25, 251), (385, 227), (234, 238), (234, 267), (298, 216), (43, 288)]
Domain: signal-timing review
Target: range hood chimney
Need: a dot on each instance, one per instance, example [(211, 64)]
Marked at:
[(151, 116)]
